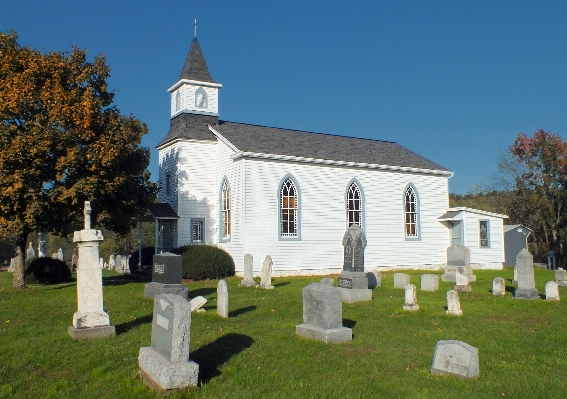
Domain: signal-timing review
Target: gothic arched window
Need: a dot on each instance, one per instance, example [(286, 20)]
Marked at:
[(411, 212), (225, 209), (289, 207), (354, 205)]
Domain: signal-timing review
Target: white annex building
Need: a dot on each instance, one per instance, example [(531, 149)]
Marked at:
[(292, 194)]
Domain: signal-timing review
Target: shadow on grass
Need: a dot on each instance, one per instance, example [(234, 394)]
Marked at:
[(118, 280), (240, 311), (349, 323), (510, 289), (125, 327), (201, 292), (282, 284), (210, 357), (64, 285)]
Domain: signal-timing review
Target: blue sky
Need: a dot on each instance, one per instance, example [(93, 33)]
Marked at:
[(454, 81)]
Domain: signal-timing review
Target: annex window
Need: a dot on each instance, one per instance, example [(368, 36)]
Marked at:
[(197, 230), (354, 205), (484, 233), (456, 233), (411, 213), (225, 209), (200, 98), (288, 209)]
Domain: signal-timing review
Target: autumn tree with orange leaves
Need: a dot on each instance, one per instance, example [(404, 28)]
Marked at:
[(63, 142), (537, 166)]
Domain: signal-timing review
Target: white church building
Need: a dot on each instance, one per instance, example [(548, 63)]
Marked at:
[(292, 194)]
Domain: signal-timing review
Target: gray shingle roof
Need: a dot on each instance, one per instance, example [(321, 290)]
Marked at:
[(270, 140), (195, 67), (448, 215), (191, 126)]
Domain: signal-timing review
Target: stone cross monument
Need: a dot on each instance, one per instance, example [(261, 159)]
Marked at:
[(90, 321)]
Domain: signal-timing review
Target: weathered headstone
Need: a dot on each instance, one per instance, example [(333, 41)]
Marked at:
[(526, 281), (60, 254), (266, 280), (167, 274), (515, 280), (101, 262), (248, 280), (498, 286), (561, 277), (401, 280), (30, 252), (197, 303), (90, 321), (461, 280), (456, 358), (374, 279), (411, 298), (551, 291), (453, 304), (112, 262), (12, 267), (323, 314), (118, 263), (457, 255), (353, 283), (74, 260), (41, 246), (166, 364), (429, 282), (222, 299)]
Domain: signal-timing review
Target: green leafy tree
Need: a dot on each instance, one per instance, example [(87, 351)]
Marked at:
[(63, 142)]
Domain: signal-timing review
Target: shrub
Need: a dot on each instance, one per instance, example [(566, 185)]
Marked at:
[(202, 262), (47, 271)]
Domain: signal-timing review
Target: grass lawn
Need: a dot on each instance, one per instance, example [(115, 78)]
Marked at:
[(255, 353)]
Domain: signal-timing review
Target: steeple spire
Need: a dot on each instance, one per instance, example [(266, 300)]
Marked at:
[(195, 67)]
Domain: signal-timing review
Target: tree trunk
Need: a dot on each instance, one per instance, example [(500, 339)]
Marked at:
[(18, 281)]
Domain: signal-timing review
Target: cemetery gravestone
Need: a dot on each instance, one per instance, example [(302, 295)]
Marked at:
[(248, 280), (401, 280), (41, 246), (74, 260), (30, 253), (60, 254), (166, 364), (551, 291), (112, 262), (328, 281), (456, 358), (197, 303), (266, 281), (90, 321), (12, 267), (461, 280), (457, 255), (453, 304), (411, 298), (323, 314), (429, 282), (515, 280), (526, 281), (222, 299), (167, 272), (353, 283), (561, 277), (498, 286), (118, 263), (374, 279)]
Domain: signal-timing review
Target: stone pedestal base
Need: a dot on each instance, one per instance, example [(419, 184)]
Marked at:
[(355, 295), (92, 332), (411, 308), (454, 312), (152, 289), (462, 288), (265, 287), (525, 293), (163, 374), (247, 283), (330, 335), (91, 319)]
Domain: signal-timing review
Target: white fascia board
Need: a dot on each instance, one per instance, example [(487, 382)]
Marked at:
[(162, 146), (193, 82), (478, 211), (318, 161), (224, 140)]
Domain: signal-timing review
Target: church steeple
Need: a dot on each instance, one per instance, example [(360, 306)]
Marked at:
[(195, 92)]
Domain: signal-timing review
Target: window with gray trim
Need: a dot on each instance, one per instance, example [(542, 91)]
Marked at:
[(197, 230), (484, 233), (354, 205), (225, 209), (411, 215), (288, 209)]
